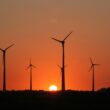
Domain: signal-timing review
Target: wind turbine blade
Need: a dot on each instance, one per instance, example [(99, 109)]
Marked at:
[(27, 67), (97, 64), (59, 66), (9, 46), (90, 68), (91, 60), (56, 40), (33, 66), (30, 60), (1, 49), (67, 36)]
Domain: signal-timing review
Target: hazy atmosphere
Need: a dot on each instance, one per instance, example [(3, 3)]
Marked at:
[(30, 24)]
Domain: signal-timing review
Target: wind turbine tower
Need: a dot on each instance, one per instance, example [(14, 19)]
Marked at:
[(30, 67), (61, 73), (92, 68), (4, 65), (62, 42)]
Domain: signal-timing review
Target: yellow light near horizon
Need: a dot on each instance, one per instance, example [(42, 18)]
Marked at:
[(53, 88)]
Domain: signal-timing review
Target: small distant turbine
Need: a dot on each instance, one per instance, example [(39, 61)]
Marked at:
[(61, 69), (30, 67), (63, 59), (92, 68), (4, 67)]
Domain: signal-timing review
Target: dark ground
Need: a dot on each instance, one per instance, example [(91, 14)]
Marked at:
[(43, 100)]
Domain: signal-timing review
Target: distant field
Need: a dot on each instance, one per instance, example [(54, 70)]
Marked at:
[(44, 100)]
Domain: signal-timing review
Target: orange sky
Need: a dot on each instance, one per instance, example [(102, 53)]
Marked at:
[(30, 24)]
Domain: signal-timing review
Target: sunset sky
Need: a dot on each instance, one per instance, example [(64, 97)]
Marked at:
[(30, 24)]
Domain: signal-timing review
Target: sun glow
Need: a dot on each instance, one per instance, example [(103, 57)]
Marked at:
[(53, 88)]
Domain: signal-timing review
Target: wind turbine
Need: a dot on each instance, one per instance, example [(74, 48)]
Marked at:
[(92, 67), (60, 68), (4, 63), (62, 42), (30, 67), (61, 73)]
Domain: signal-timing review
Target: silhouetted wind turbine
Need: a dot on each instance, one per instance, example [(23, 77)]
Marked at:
[(60, 70), (61, 73), (92, 67), (30, 66), (60, 67), (63, 59), (4, 63)]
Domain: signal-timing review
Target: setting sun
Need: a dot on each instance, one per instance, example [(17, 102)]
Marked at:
[(53, 88)]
